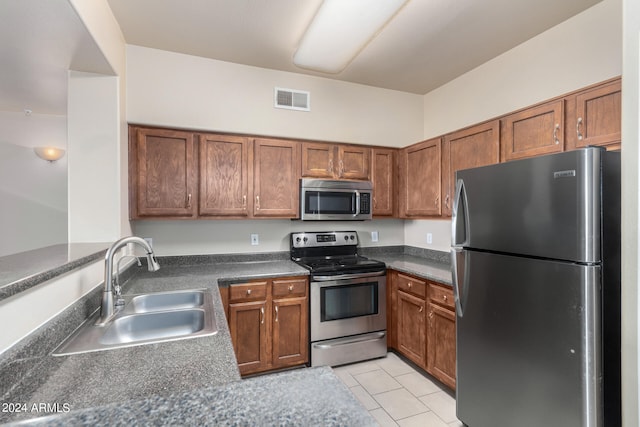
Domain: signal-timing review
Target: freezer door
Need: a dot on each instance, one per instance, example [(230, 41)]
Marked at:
[(548, 206), (528, 352)]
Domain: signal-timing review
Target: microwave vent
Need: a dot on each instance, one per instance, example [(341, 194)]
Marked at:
[(292, 99)]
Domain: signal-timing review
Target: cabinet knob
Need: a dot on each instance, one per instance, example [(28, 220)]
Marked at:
[(444, 297), (409, 285), (248, 291), (290, 288)]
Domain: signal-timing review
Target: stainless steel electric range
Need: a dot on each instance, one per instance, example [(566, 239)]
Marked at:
[(347, 302)]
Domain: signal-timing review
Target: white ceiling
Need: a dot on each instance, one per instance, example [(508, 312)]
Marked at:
[(427, 44)]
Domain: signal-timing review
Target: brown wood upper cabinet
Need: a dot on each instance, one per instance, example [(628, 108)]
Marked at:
[(467, 148), (420, 179), (383, 178), (594, 117), (276, 171), (335, 161), (162, 173), (224, 175), (534, 131)]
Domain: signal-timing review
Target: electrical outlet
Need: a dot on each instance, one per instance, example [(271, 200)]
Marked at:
[(255, 240), (374, 236), (429, 238)]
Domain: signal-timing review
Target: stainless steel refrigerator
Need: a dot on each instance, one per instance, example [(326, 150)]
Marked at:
[(536, 272)]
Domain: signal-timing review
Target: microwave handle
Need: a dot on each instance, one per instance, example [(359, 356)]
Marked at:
[(357, 203)]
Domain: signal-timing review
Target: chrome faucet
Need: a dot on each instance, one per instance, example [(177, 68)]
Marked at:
[(107, 306)]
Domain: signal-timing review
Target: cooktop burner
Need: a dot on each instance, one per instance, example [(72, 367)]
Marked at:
[(331, 253)]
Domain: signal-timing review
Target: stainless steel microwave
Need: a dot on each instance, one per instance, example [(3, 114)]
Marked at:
[(330, 200)]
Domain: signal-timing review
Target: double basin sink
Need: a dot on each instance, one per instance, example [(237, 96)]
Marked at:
[(146, 319)]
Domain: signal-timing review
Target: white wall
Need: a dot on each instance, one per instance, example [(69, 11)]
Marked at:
[(233, 236), (33, 192), (630, 212), (583, 50), (176, 90), (94, 162)]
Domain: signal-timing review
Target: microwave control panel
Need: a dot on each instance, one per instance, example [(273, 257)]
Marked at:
[(365, 203)]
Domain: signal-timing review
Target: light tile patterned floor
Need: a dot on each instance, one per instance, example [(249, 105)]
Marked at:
[(397, 395)]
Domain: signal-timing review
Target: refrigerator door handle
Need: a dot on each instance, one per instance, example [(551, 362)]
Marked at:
[(459, 277), (459, 217)]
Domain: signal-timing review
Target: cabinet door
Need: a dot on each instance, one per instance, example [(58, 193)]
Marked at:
[(382, 177), (163, 181), (441, 357), (411, 332), (276, 178), (290, 332), (420, 179), (467, 148), (533, 132), (353, 162), (248, 325), (598, 117), (318, 160), (224, 175)]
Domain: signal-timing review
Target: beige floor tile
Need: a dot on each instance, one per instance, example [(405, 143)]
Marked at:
[(377, 381), (418, 384), (427, 419), (359, 368), (383, 418), (394, 365), (456, 423), (442, 404), (345, 376), (365, 398), (400, 403)]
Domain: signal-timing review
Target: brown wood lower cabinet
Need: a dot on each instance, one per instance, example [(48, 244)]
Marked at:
[(269, 323), (422, 320)]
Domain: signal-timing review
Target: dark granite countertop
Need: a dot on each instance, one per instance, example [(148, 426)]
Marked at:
[(188, 382), (424, 263), (193, 381), (21, 271)]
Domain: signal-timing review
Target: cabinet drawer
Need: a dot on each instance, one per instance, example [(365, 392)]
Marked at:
[(289, 288), (412, 285), (441, 295), (253, 291)]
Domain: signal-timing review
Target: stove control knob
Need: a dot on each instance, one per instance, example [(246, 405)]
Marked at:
[(352, 237), (298, 239), (346, 237), (305, 239)]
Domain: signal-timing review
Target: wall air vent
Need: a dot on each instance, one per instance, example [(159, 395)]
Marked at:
[(292, 99)]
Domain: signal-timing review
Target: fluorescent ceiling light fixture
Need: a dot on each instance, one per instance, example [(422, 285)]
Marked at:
[(340, 30)]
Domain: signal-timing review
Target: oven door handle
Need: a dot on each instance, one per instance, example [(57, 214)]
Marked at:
[(346, 276)]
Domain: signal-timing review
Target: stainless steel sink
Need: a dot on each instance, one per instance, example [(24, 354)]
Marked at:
[(153, 326), (165, 301), (146, 319)]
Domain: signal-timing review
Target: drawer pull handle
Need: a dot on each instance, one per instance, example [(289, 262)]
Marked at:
[(262, 315), (421, 309), (276, 313), (555, 134)]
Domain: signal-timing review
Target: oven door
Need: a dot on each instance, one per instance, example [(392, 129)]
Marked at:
[(346, 307)]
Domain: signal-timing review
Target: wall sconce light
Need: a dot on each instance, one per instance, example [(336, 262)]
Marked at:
[(340, 30), (51, 154)]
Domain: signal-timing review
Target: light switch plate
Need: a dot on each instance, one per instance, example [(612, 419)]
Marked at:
[(429, 238), (374, 236)]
